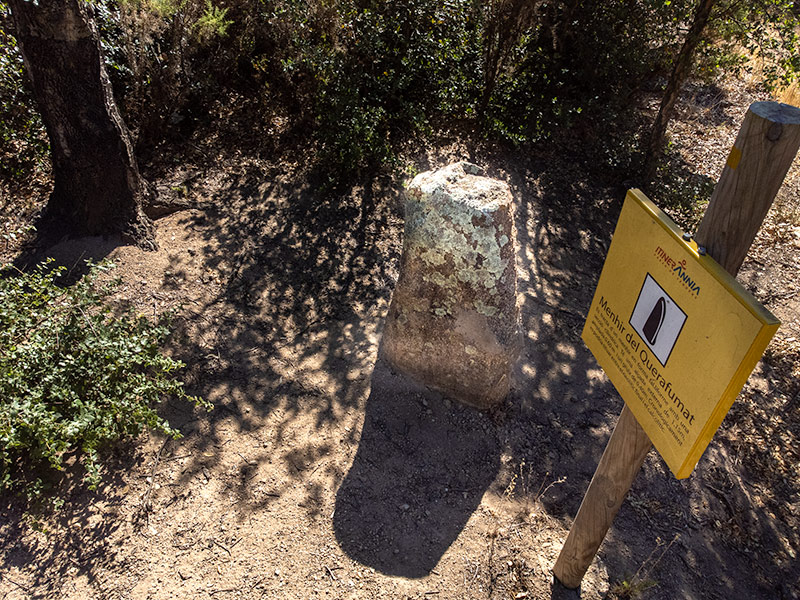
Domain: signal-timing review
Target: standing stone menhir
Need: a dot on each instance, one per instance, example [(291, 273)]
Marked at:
[(454, 322)]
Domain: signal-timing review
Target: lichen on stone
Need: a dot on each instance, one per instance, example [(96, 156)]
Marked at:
[(453, 322), (485, 309), (445, 225)]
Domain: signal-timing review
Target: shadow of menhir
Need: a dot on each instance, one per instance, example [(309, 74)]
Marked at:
[(422, 466)]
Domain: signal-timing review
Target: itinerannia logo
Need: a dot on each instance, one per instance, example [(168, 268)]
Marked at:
[(679, 270)]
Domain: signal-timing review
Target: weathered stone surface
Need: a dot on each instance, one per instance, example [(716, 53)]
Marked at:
[(454, 321)]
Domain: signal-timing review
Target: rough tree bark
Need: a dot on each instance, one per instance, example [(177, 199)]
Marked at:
[(680, 71), (97, 186)]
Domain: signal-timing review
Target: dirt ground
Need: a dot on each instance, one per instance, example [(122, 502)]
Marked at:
[(321, 473)]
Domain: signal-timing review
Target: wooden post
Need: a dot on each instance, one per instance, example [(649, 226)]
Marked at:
[(765, 147), (757, 165), (621, 461)]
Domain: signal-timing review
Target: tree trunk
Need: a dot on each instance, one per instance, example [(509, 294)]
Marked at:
[(680, 71), (97, 186)]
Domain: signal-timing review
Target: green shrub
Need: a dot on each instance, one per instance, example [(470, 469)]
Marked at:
[(23, 143), (74, 377), (156, 52), (372, 74), (578, 62)]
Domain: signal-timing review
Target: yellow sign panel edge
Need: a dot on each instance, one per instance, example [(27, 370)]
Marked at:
[(728, 397), (769, 326)]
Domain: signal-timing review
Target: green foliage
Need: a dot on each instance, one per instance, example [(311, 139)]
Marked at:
[(363, 77), (742, 34), (157, 51), (372, 74), (74, 377), (212, 22), (23, 144), (576, 62)]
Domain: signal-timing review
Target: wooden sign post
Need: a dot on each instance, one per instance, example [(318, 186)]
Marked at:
[(757, 165)]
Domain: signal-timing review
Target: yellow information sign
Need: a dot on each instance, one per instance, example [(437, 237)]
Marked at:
[(675, 333)]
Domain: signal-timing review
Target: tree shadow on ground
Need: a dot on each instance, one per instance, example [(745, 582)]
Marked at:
[(71, 253), (281, 328), (282, 345), (76, 544), (274, 336), (296, 273)]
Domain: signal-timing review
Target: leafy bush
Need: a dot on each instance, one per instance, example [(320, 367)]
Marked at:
[(23, 143), (371, 74), (569, 62), (74, 377), (742, 35), (360, 77), (156, 53)]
